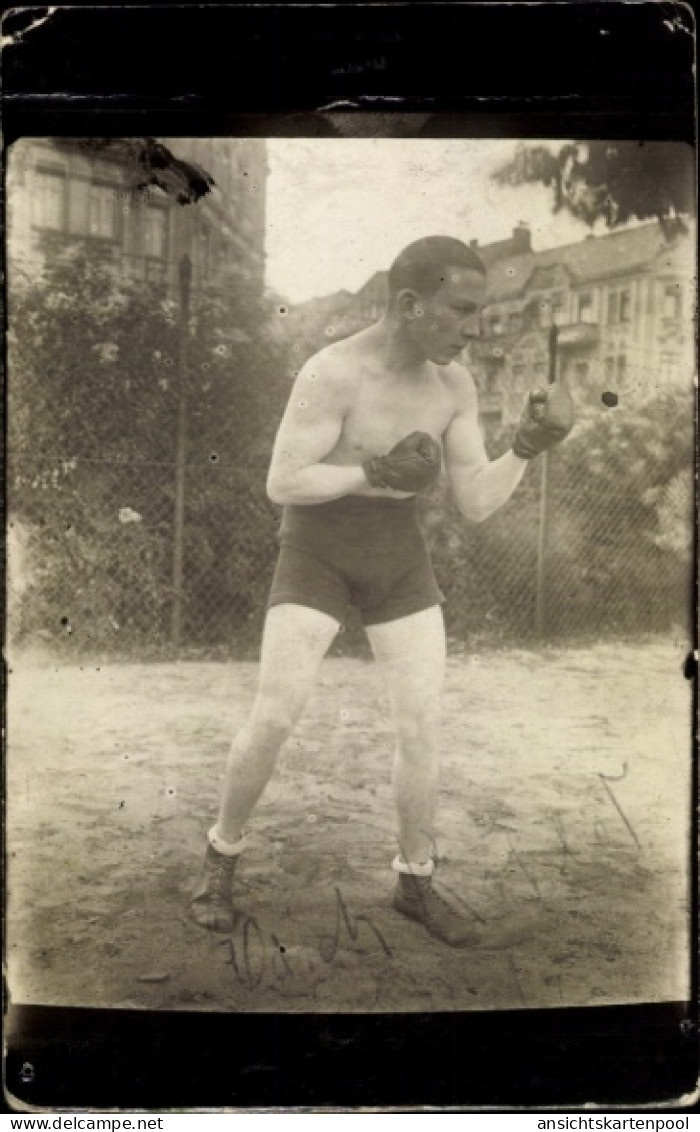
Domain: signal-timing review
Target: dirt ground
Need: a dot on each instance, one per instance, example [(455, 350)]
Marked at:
[(565, 810)]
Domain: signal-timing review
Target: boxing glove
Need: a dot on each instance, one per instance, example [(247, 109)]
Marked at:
[(547, 418), (412, 465)]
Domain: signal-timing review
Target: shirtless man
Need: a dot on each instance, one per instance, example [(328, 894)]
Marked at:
[(369, 421)]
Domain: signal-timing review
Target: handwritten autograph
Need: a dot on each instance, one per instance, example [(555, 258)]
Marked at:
[(253, 953)]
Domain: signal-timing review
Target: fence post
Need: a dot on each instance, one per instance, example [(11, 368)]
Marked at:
[(545, 507), (180, 452)]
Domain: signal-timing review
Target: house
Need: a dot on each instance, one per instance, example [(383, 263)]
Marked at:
[(61, 191), (623, 306)]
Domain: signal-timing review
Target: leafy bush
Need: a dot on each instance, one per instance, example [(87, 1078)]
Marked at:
[(93, 411), (619, 533)]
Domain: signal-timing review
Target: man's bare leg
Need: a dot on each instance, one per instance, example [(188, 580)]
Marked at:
[(411, 652), (295, 641)]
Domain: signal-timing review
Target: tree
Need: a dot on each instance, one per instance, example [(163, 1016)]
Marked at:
[(613, 181), (93, 397)]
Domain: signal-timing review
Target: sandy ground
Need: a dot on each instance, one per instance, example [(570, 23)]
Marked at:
[(565, 812)]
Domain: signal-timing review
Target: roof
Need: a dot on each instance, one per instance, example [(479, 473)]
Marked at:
[(324, 302), (587, 260), (489, 254)]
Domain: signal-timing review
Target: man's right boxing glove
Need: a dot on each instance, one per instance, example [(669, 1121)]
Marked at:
[(547, 418), (412, 465)]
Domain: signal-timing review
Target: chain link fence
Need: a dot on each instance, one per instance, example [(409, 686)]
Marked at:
[(599, 571), (93, 563), (93, 544)]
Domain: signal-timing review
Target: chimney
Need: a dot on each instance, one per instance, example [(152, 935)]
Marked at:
[(521, 237), (473, 243)]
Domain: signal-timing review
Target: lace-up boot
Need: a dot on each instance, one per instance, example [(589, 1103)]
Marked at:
[(211, 904), (416, 897)]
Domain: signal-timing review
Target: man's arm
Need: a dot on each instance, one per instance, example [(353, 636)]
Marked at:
[(310, 429), (479, 486)]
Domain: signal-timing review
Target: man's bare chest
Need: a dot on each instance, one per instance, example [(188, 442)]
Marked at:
[(381, 414)]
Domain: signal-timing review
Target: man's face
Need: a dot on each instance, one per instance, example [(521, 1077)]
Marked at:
[(449, 317)]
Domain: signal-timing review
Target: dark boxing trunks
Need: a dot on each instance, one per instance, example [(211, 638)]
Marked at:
[(363, 551)]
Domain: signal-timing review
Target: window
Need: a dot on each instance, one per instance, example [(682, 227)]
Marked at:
[(672, 301), (581, 371), (102, 212), (495, 324), (50, 200), (609, 368), (620, 305), (621, 367), (513, 322), (585, 307), (539, 369), (155, 232), (518, 377)]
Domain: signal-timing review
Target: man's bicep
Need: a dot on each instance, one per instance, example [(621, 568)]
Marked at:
[(311, 424), (463, 444)]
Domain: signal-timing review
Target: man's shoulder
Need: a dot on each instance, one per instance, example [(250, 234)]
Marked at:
[(460, 381), (326, 377), (331, 362)]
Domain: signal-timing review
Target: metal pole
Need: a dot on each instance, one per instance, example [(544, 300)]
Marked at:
[(545, 506), (180, 452)]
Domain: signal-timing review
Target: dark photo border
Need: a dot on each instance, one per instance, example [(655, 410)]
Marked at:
[(554, 69)]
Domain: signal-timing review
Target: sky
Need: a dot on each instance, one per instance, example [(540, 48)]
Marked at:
[(339, 209)]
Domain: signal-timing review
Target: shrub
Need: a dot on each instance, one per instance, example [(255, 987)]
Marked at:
[(93, 398)]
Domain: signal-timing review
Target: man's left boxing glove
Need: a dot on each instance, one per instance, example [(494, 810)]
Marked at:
[(412, 465), (547, 419)]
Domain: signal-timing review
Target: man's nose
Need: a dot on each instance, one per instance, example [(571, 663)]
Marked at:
[(470, 327)]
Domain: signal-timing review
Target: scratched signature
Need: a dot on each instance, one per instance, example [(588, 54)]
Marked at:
[(255, 955)]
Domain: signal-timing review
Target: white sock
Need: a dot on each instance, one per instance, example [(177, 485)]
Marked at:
[(413, 868), (226, 848)]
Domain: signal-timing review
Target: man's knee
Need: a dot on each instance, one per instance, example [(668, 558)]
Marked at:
[(417, 726), (273, 718)]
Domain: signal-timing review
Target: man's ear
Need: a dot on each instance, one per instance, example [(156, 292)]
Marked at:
[(409, 304)]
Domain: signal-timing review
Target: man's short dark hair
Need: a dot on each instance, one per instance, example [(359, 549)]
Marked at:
[(422, 265)]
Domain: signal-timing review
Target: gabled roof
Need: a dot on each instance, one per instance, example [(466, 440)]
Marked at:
[(489, 254), (598, 257), (594, 258), (324, 302)]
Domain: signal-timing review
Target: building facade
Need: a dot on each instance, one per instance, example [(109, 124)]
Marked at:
[(60, 193), (623, 306)]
